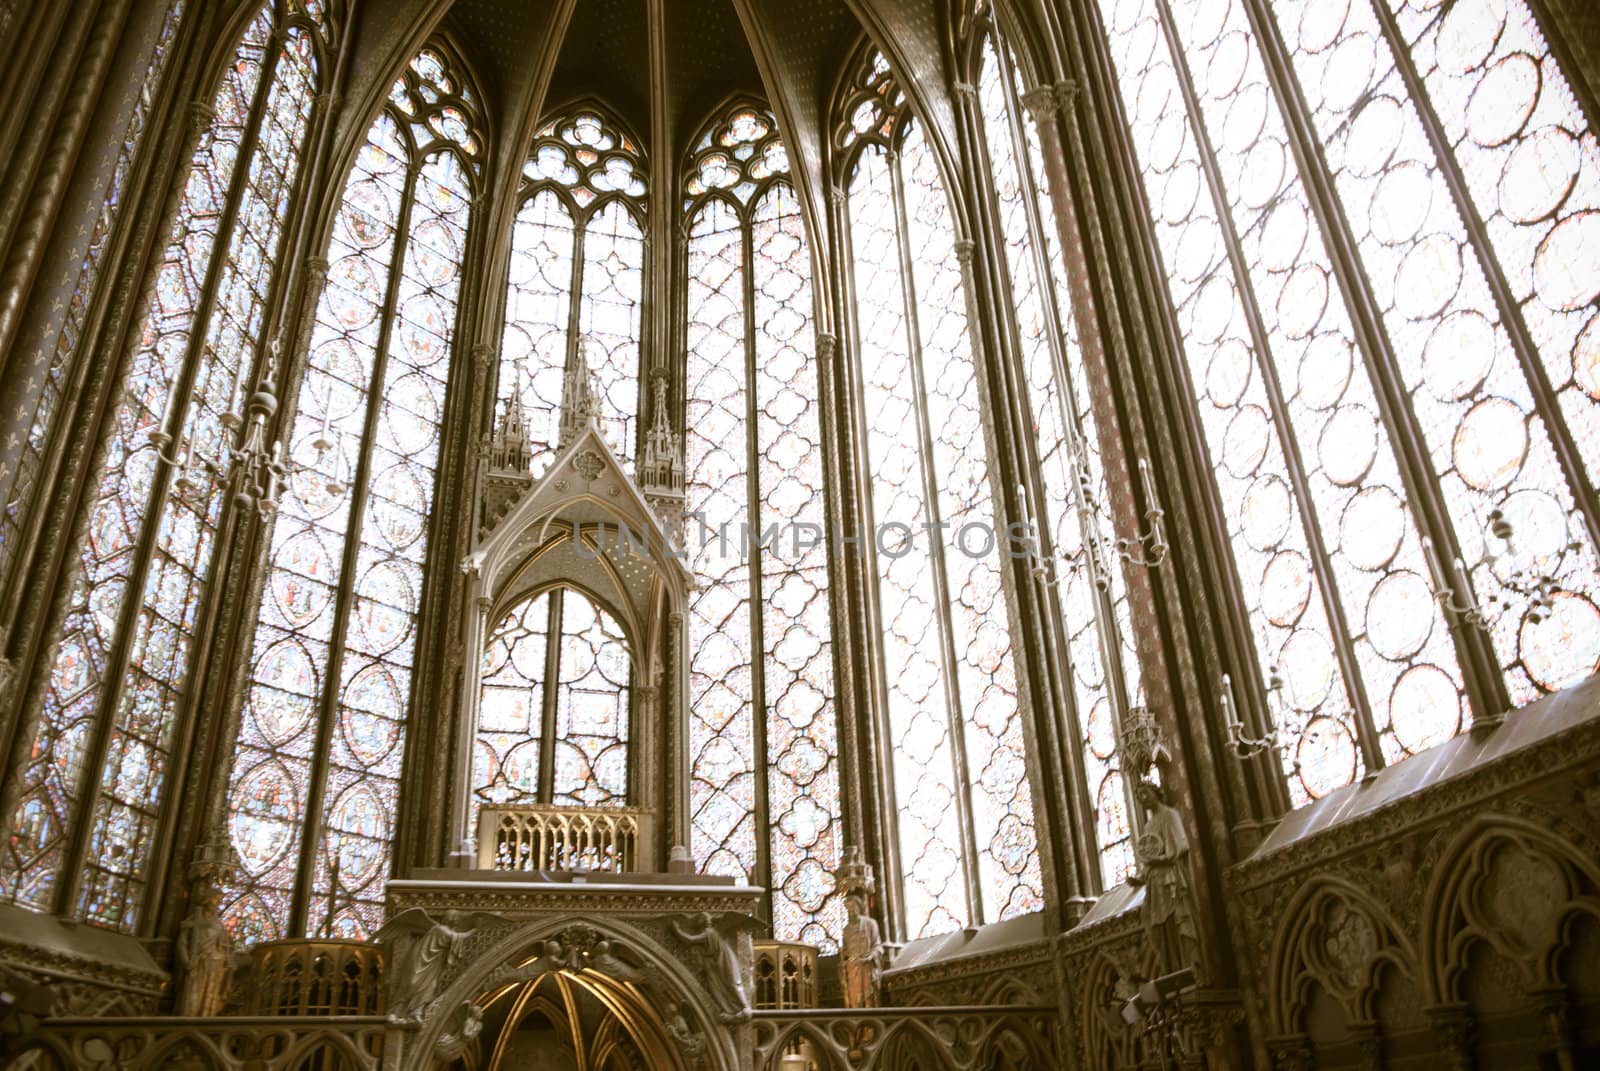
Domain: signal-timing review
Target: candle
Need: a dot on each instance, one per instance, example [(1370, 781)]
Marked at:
[(1229, 712)]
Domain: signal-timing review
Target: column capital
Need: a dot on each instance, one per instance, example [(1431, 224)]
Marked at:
[(1042, 103), (965, 89), (482, 355), (827, 346), (201, 113)]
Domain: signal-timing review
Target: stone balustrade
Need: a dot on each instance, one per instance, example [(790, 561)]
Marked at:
[(313, 977), (786, 975), (534, 837)]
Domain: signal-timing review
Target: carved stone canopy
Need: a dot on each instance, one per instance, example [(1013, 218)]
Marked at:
[(584, 515)]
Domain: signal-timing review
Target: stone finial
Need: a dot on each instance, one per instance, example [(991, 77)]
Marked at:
[(660, 466), (580, 399)]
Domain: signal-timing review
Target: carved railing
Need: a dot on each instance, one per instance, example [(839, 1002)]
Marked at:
[(533, 837), (313, 977), (786, 975), (957, 1038), (228, 1044)]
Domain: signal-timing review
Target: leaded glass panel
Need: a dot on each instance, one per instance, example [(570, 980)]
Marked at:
[(721, 637), (925, 774), (188, 372), (338, 628), (1301, 427)]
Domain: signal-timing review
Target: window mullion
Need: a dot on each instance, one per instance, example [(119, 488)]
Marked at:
[(1510, 310), (1097, 569), (1050, 302), (878, 750), (1367, 736), (229, 541), (75, 857), (344, 600), (941, 580), (758, 667), (580, 234), (550, 697)]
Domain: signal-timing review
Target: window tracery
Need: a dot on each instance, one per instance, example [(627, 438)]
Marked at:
[(553, 724), (314, 785), (1308, 401), (577, 270), (959, 766), (761, 726), (91, 792)]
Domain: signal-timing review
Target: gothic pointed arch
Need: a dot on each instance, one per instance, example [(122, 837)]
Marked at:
[(765, 791), (577, 271)]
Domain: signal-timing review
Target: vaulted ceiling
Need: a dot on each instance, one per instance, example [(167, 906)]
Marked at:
[(530, 55)]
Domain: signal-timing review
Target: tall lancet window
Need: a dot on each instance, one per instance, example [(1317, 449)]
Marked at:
[(1381, 257), (314, 782), (577, 270), (967, 846), (763, 736), (1077, 530), (91, 789)]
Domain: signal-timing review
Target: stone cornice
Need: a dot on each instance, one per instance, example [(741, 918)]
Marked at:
[(1559, 753), (57, 964), (518, 899), (969, 966)]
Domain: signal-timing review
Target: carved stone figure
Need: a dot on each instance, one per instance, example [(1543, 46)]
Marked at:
[(722, 957), (603, 958), (421, 959), (689, 1041), (205, 957), (452, 1043), (1163, 853), (860, 954)]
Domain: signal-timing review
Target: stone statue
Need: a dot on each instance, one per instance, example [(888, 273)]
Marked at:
[(722, 956), (421, 959), (860, 954), (205, 956), (1163, 853)]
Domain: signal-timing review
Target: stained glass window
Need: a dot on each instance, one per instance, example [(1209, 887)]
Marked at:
[(580, 232), (91, 793), (1077, 524), (42, 392), (553, 721), (1437, 297), (959, 766), (755, 466), (323, 727)]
